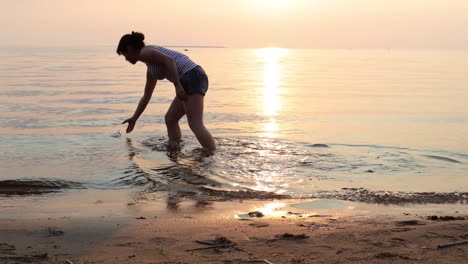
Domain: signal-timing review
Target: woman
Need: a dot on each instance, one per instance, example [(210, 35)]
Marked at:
[(189, 79)]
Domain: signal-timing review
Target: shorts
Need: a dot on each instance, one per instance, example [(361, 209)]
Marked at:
[(195, 81)]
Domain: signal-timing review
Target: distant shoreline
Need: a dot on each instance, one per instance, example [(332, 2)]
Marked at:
[(209, 47), (111, 46), (99, 46)]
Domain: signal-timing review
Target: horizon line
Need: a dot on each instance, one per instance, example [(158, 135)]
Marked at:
[(41, 46)]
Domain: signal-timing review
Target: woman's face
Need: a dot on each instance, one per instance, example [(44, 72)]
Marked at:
[(131, 55)]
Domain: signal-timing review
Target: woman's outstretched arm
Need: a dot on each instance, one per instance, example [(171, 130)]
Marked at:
[(149, 88)]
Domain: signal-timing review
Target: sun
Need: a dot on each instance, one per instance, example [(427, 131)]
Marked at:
[(271, 4)]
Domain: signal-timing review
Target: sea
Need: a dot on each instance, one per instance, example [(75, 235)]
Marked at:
[(373, 126)]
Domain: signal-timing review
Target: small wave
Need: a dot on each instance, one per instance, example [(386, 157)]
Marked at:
[(188, 186), (36, 186), (134, 177), (388, 197), (442, 158), (158, 143), (319, 145), (210, 194), (256, 168)]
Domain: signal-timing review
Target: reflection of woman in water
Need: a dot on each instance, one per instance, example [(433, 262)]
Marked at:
[(189, 79)]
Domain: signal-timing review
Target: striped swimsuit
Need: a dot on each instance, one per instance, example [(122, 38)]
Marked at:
[(182, 61)]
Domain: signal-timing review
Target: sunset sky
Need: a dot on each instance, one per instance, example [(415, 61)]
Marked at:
[(405, 24)]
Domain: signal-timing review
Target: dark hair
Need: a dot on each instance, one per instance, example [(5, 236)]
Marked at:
[(134, 40)]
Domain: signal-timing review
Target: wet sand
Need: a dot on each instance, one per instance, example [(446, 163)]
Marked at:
[(292, 231)]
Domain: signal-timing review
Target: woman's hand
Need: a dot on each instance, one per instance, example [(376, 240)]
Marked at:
[(131, 124), (180, 92)]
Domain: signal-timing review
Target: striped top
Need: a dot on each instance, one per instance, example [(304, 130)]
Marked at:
[(182, 61)]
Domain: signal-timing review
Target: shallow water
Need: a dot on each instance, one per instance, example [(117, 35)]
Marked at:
[(288, 123)]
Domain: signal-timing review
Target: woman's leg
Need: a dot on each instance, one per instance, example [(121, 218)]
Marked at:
[(194, 111), (174, 114)]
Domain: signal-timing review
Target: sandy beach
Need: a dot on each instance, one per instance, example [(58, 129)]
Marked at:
[(237, 232)]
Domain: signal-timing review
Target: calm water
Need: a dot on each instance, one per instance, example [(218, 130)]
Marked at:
[(294, 122)]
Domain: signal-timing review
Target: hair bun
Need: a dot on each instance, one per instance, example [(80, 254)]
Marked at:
[(134, 40), (138, 36)]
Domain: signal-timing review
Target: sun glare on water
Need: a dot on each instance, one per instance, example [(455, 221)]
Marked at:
[(271, 83)]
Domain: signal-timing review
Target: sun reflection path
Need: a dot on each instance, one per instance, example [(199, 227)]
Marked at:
[(271, 100)]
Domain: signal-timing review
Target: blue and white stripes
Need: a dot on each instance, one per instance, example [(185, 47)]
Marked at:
[(182, 61)]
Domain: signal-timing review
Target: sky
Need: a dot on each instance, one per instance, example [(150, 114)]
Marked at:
[(375, 24)]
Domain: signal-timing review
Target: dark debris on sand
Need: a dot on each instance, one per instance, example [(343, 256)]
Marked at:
[(288, 236), (217, 243), (54, 232), (446, 218), (258, 225), (409, 223), (256, 214), (389, 255), (25, 259)]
